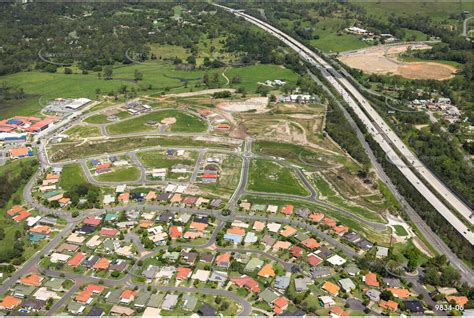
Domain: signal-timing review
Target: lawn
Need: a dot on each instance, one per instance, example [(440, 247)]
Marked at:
[(333, 38), (71, 176), (251, 75), (159, 75), (184, 123), (79, 131), (166, 51), (271, 177), (158, 159), (120, 175), (414, 35), (333, 42), (400, 230), (97, 119)]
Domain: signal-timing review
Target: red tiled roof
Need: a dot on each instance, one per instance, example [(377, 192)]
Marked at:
[(183, 273), (296, 251), (175, 232), (21, 216), (313, 260), (287, 209), (76, 259), (93, 288), (92, 220), (108, 232), (15, 210), (32, 280), (9, 302), (311, 243), (19, 152), (83, 296), (316, 217), (103, 263), (371, 280), (247, 282), (128, 294)]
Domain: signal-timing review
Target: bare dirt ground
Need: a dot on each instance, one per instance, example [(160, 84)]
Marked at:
[(259, 104), (383, 59), (168, 120)]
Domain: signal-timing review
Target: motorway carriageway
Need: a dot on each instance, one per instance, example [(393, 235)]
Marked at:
[(381, 133)]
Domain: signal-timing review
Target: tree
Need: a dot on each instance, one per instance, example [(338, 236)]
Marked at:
[(108, 71), (138, 75), (67, 70), (236, 79)]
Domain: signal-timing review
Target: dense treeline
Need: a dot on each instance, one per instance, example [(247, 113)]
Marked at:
[(341, 131), (436, 222), (442, 155), (95, 35), (11, 180)]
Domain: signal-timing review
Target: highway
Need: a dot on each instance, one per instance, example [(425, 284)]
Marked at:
[(380, 131)]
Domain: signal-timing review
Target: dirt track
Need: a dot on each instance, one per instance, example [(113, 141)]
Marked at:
[(383, 59)]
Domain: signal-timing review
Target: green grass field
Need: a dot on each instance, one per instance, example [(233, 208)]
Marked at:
[(271, 177), (71, 176), (160, 75), (416, 35), (436, 10), (184, 123), (120, 175), (332, 43), (400, 230), (333, 38), (166, 51), (158, 159), (79, 131), (251, 75), (97, 119)]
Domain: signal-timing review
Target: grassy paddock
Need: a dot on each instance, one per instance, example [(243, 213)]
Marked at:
[(184, 123), (71, 176), (79, 131), (271, 177), (120, 175)]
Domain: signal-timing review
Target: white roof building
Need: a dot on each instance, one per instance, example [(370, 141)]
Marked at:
[(272, 208), (170, 188), (181, 189), (59, 257), (109, 199), (336, 260), (44, 294), (120, 188), (273, 227), (33, 220), (201, 275), (94, 241)]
